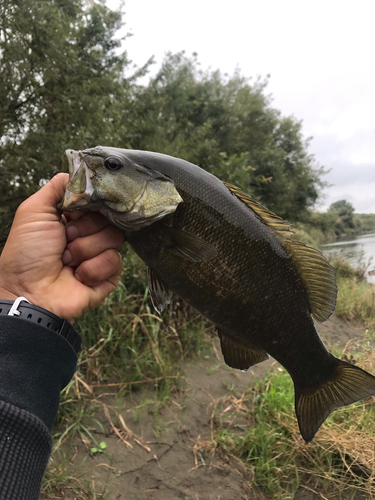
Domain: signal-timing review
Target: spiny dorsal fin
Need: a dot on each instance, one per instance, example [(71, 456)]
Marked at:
[(313, 267), (279, 225), (238, 355)]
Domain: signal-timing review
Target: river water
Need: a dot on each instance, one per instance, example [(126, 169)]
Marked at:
[(358, 251)]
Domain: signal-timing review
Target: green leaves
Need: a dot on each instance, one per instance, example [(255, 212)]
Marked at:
[(227, 126), (63, 85), (100, 449)]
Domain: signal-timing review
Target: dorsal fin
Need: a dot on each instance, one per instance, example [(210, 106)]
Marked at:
[(318, 276), (314, 269), (279, 225)]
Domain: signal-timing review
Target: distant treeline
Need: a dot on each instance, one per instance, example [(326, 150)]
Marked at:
[(64, 83), (339, 221)]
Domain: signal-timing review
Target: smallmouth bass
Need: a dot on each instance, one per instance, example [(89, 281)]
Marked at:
[(232, 260)]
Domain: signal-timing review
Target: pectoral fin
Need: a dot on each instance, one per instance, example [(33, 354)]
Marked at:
[(238, 355), (160, 294), (189, 246)]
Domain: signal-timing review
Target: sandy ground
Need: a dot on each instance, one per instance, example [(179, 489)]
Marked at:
[(159, 464)]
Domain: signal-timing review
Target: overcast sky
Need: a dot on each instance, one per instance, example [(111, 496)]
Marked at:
[(320, 56)]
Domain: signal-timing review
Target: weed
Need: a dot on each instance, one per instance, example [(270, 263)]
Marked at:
[(101, 448), (356, 301), (260, 429), (344, 269), (59, 483), (125, 346), (124, 340)]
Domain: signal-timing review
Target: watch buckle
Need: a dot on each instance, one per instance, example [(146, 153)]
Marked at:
[(13, 311)]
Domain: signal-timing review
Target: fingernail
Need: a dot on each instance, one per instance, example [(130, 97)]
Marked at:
[(66, 257), (78, 277), (71, 233)]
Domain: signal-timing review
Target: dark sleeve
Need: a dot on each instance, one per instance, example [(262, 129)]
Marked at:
[(35, 365)]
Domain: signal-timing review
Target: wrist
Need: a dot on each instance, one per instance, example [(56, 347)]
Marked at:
[(8, 294), (23, 309)]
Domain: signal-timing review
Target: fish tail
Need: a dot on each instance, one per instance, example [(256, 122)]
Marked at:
[(348, 384)]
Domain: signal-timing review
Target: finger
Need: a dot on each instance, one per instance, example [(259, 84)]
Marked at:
[(76, 214), (101, 292), (86, 248), (67, 216), (104, 267), (88, 224)]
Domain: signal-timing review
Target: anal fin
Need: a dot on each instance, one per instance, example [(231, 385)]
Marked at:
[(160, 294), (239, 356)]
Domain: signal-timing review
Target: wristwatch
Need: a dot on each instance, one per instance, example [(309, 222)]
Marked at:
[(22, 308)]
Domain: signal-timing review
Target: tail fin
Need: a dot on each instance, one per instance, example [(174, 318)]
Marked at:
[(349, 384)]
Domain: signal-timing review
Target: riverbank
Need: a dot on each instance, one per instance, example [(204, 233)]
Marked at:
[(154, 412), (184, 444)]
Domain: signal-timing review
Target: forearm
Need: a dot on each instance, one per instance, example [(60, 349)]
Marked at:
[(67, 268), (25, 447), (35, 365)]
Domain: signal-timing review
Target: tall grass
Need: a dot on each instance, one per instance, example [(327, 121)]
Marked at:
[(356, 297), (125, 345), (127, 341), (259, 432)]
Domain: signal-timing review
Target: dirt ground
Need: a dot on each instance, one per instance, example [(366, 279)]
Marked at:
[(158, 461)]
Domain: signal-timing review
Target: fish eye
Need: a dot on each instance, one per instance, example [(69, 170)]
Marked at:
[(113, 163)]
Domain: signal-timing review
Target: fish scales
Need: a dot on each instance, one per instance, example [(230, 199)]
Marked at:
[(228, 257), (251, 308)]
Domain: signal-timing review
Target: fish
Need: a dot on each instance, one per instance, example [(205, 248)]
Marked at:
[(232, 260)]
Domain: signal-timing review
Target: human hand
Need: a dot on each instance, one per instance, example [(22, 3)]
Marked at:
[(67, 269)]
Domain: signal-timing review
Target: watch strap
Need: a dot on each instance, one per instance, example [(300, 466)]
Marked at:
[(22, 308)]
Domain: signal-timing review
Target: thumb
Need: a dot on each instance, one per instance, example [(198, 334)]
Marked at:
[(49, 195)]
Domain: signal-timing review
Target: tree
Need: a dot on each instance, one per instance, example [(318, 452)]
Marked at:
[(344, 221), (342, 207), (61, 79), (228, 127), (62, 85)]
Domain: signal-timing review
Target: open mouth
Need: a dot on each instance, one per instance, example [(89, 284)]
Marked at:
[(79, 189)]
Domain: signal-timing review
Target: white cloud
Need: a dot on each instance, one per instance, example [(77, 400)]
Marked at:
[(319, 55)]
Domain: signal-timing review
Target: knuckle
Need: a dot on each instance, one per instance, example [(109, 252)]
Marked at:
[(88, 271), (77, 250), (115, 235), (112, 258)]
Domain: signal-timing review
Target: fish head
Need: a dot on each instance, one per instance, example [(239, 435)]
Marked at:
[(115, 183)]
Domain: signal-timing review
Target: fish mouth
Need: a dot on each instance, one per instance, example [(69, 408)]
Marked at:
[(78, 193)]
